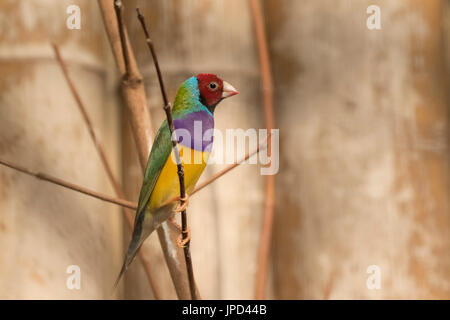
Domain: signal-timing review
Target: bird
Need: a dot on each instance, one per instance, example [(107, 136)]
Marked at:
[(193, 117)]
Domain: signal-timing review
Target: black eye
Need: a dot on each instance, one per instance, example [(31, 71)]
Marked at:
[(213, 85)]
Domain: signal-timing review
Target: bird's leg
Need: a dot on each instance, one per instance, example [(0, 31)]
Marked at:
[(182, 207), (182, 242)]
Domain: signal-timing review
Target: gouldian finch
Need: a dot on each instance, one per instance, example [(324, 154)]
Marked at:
[(192, 113)]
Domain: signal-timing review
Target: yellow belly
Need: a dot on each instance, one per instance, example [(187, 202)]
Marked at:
[(168, 186)]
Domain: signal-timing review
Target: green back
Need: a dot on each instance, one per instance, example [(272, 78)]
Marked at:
[(162, 146)]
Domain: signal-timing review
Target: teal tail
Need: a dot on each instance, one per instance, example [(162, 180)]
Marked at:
[(133, 249), (122, 271)]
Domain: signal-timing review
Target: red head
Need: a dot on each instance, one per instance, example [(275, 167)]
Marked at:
[(213, 89)]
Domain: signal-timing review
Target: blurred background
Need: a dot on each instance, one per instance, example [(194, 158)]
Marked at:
[(364, 173)]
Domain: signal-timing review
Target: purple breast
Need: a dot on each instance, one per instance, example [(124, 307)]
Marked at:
[(195, 130)]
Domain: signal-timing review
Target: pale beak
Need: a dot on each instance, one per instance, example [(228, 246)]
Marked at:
[(228, 90)]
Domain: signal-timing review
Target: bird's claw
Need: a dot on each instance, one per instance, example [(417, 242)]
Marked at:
[(182, 242), (182, 207)]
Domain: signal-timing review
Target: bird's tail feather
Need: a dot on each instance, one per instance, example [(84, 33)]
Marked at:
[(142, 229), (133, 248)]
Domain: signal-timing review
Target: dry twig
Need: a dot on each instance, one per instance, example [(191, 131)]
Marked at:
[(69, 185), (180, 170), (267, 89), (122, 202)]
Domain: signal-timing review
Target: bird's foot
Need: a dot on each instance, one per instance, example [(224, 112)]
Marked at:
[(182, 241), (182, 206)]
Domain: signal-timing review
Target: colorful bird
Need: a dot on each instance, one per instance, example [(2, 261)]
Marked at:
[(193, 119)]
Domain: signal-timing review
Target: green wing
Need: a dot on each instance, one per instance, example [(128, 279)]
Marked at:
[(162, 146)]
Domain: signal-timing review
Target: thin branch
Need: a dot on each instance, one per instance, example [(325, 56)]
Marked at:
[(118, 7), (267, 88), (155, 59), (116, 185), (230, 167), (68, 185), (122, 202), (180, 170), (88, 122)]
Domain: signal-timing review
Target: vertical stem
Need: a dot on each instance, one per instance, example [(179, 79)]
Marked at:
[(267, 89), (180, 170)]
